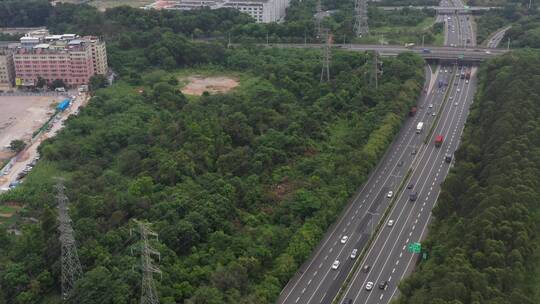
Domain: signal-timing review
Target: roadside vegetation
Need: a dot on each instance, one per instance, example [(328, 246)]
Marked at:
[(240, 186), (483, 244)]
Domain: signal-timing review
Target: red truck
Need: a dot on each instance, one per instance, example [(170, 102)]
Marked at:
[(468, 74), (438, 140), (412, 112)]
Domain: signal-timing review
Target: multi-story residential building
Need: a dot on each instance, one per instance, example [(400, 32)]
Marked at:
[(263, 11), (67, 57), (7, 70)]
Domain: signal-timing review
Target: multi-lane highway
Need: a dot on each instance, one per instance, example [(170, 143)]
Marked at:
[(322, 276), (388, 259)]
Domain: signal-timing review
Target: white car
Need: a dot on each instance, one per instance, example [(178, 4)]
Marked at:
[(390, 194), (459, 90), (466, 81), (488, 52), (455, 103), (369, 286), (344, 239), (433, 114), (390, 223), (430, 105), (354, 253), (335, 265)]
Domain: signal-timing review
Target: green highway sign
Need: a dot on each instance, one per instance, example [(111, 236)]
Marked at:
[(414, 247)]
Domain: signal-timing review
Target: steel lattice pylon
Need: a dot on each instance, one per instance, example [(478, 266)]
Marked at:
[(148, 288), (360, 27), (327, 56), (71, 266)]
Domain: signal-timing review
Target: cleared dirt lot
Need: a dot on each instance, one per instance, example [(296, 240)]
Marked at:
[(197, 85), (20, 116)]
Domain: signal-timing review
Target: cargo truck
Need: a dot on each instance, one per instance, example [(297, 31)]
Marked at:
[(468, 75), (438, 140), (63, 105), (419, 127)]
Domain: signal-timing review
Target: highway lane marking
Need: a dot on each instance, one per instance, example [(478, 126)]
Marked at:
[(326, 257), (397, 262), (393, 270), (390, 279), (380, 298), (297, 300), (429, 216), (422, 209), (410, 140), (404, 247), (309, 282), (315, 273), (352, 218), (418, 215), (416, 220), (348, 223), (414, 226), (320, 265), (331, 249), (303, 290), (407, 240), (400, 254), (344, 229)]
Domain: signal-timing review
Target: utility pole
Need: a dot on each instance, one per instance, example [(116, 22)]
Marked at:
[(371, 221), (267, 38), (148, 288), (327, 56), (377, 68), (423, 40), (318, 18), (508, 44), (360, 27), (71, 266)]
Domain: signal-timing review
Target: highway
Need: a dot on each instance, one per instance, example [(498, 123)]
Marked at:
[(388, 258), (496, 38), (317, 281)]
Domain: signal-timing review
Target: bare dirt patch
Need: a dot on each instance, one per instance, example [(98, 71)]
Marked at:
[(197, 85), (20, 116)]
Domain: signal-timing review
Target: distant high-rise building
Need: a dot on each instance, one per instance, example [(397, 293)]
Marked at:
[(263, 11)]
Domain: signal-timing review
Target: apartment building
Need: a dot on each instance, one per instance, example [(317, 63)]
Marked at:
[(68, 57), (7, 70)]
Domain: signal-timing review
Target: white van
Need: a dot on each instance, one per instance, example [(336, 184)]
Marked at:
[(419, 127)]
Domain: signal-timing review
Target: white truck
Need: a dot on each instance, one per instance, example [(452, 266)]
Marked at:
[(419, 127)]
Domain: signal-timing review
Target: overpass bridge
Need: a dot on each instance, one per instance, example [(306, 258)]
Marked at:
[(469, 55), (445, 9)]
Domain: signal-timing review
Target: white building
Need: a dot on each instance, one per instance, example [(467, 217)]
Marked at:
[(263, 11)]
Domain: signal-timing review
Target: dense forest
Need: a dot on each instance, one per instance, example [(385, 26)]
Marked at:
[(239, 186), (484, 243)]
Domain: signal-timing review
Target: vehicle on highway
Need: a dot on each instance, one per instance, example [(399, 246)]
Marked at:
[(390, 223), (488, 52), (413, 196), (344, 239), (448, 158), (390, 194), (366, 268), (456, 103), (433, 114), (467, 81), (430, 105), (335, 265), (369, 286), (347, 301), (410, 186), (426, 51), (451, 97), (14, 184), (439, 140), (459, 90), (419, 127), (383, 284), (413, 152), (409, 45), (400, 164), (354, 252)]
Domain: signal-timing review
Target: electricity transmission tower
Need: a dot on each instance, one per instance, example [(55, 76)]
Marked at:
[(71, 266), (377, 68), (327, 56), (360, 18), (148, 288)]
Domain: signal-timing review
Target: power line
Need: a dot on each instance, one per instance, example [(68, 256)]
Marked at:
[(360, 27), (71, 266), (148, 288)]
